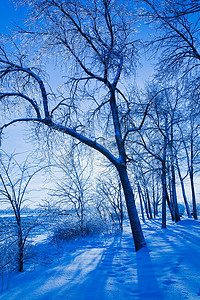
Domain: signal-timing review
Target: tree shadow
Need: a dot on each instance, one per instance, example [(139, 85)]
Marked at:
[(147, 282)]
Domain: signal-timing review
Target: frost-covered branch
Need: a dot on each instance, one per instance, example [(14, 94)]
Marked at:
[(20, 95), (12, 68)]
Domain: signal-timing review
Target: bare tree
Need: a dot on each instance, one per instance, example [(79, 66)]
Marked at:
[(109, 193), (14, 184), (190, 141), (72, 192), (96, 39), (157, 139), (183, 188), (176, 37)]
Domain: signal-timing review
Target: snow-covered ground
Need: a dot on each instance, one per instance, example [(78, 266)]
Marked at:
[(107, 268)]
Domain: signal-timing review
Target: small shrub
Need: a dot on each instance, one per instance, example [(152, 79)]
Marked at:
[(70, 229), (66, 232)]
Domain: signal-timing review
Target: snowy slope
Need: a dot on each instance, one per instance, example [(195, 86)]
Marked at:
[(107, 268)]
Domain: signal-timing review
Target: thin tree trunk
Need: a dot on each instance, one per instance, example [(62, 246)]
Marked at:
[(20, 257), (145, 204), (121, 207), (170, 206), (148, 203), (193, 194), (157, 198), (191, 172), (164, 197), (141, 206), (154, 200), (174, 195), (164, 183), (183, 189), (173, 179)]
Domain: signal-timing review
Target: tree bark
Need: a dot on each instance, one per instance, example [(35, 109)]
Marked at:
[(131, 208), (164, 197), (191, 172), (173, 180), (170, 206), (193, 194), (148, 203), (183, 189), (141, 205), (164, 184), (145, 204), (154, 201), (174, 195), (20, 258)]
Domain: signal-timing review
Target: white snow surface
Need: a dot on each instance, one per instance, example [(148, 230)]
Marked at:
[(107, 267)]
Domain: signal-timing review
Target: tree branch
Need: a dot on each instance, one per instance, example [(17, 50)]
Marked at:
[(33, 103), (14, 67)]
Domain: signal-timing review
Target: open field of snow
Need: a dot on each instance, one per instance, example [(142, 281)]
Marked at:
[(107, 267)]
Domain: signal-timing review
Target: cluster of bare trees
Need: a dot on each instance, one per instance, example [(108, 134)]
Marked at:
[(166, 153), (171, 136), (147, 138), (76, 204), (79, 197)]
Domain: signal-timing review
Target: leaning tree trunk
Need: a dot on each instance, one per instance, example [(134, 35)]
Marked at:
[(165, 198), (183, 189), (131, 208), (120, 164), (141, 205), (148, 203), (145, 204), (170, 206)]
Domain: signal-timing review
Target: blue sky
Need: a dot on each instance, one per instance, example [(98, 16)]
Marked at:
[(14, 138), (9, 14)]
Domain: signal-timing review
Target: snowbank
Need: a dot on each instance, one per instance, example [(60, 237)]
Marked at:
[(107, 268)]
